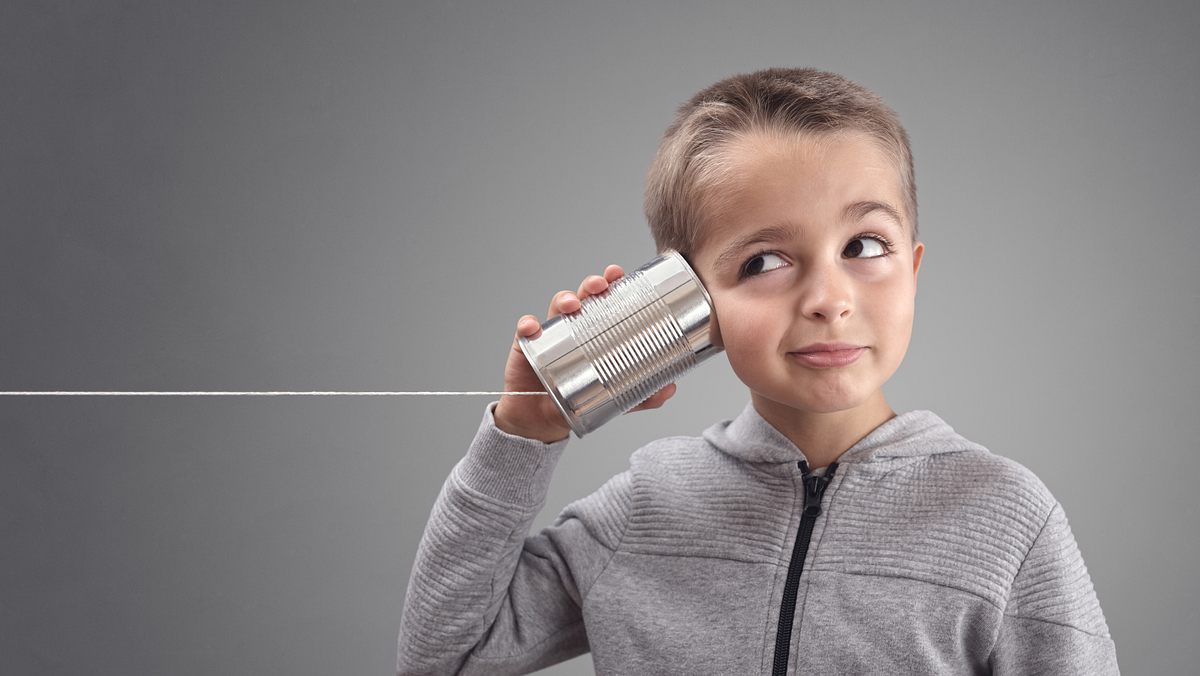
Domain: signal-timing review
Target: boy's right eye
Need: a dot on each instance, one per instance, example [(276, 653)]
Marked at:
[(753, 267)]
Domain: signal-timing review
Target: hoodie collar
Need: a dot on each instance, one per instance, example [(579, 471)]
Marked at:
[(750, 438)]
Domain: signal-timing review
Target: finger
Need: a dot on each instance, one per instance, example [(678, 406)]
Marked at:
[(657, 399), (563, 301), (592, 285), (597, 284), (527, 327), (613, 272)]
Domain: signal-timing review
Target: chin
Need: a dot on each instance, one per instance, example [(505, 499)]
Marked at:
[(833, 402)]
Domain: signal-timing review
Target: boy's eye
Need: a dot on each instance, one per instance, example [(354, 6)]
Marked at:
[(754, 266), (876, 243)]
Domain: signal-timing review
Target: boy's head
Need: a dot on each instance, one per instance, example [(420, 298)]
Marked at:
[(684, 185), (790, 192)]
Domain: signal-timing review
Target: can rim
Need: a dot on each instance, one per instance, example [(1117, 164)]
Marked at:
[(695, 277), (555, 395)]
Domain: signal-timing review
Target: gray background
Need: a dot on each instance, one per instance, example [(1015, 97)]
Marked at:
[(365, 196)]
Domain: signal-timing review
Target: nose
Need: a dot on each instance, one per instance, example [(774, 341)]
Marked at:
[(825, 293)]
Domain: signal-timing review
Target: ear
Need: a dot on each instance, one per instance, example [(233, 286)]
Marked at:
[(918, 254)]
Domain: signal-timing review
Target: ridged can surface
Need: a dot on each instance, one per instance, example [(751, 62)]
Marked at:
[(645, 331)]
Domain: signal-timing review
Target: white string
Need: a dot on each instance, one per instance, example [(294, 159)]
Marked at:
[(263, 394)]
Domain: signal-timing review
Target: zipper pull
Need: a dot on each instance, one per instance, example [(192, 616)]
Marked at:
[(814, 487)]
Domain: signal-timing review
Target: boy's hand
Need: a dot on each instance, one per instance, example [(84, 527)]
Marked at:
[(536, 417)]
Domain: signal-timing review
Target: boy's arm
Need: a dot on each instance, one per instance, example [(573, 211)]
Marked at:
[(483, 597), (1053, 623)]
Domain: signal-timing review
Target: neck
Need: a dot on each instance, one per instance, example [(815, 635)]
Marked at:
[(824, 437)]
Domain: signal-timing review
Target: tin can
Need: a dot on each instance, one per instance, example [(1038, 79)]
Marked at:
[(645, 331)]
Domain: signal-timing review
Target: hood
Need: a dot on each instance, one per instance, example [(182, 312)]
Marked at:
[(750, 438)]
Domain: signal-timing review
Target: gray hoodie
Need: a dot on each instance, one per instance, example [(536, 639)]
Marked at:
[(921, 553)]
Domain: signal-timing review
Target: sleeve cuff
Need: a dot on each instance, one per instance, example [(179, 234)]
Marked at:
[(508, 467)]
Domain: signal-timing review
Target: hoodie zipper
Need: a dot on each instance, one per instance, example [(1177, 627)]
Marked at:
[(814, 488)]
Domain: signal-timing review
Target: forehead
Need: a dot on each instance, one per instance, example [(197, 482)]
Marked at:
[(789, 183)]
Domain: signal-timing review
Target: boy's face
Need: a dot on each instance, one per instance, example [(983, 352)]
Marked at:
[(820, 282)]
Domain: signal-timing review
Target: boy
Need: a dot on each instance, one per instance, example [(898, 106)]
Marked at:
[(818, 532)]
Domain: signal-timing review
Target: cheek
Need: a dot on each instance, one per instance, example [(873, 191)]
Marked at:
[(744, 327), (891, 312)]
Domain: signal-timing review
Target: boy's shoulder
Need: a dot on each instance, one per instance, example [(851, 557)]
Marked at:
[(689, 454), (983, 466)]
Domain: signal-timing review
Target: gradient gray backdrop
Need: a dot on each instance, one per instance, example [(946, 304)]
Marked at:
[(366, 196)]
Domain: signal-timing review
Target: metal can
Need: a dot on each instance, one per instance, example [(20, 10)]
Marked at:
[(645, 331)]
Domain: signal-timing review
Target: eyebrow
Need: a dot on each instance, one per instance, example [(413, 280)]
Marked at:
[(774, 233), (856, 211)]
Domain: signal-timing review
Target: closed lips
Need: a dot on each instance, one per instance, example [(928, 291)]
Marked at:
[(827, 347)]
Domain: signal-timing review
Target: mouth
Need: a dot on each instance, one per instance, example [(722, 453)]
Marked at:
[(829, 356), (827, 347)]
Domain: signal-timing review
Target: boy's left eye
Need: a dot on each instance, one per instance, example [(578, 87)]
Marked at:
[(877, 242), (753, 267)]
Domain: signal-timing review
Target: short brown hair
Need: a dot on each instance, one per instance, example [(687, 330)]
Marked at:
[(805, 100)]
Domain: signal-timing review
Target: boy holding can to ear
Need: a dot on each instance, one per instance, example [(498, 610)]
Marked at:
[(819, 531)]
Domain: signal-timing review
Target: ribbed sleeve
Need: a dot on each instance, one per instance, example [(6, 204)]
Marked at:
[(1053, 584), (1053, 623), (506, 467), (484, 597)]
